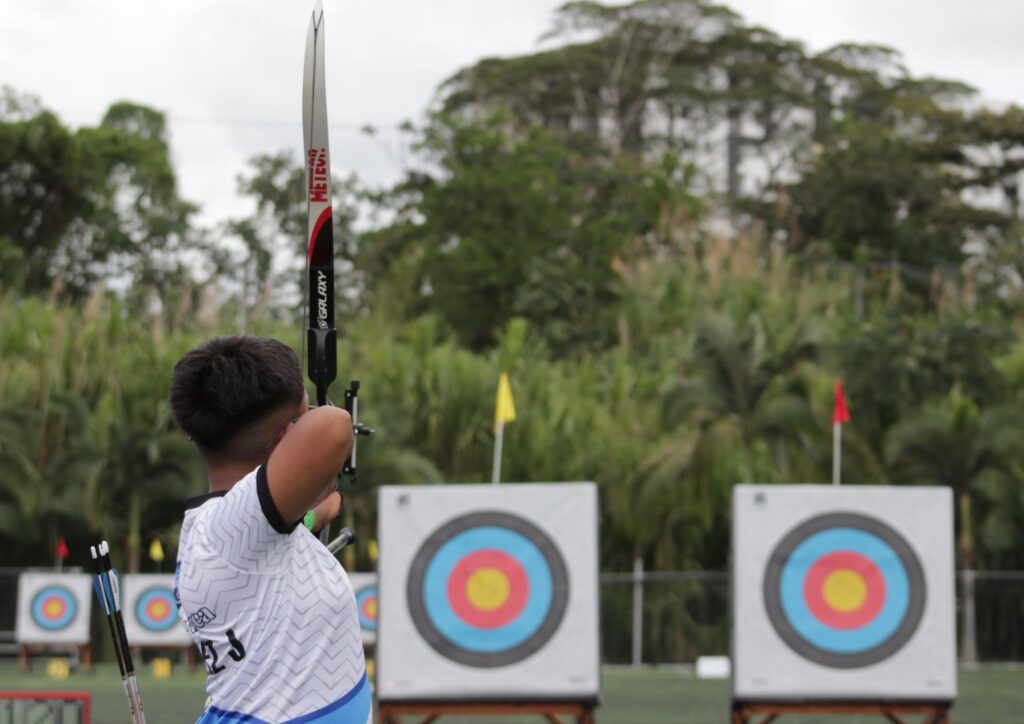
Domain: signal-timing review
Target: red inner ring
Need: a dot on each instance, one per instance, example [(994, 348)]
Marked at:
[(519, 589), (154, 615), (46, 604), (814, 590)]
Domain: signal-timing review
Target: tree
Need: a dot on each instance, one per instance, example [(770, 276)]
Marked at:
[(878, 197), (45, 452), (618, 65), (522, 223), (78, 207), (739, 414), (743, 377), (979, 455), (141, 227), (146, 471), (763, 86), (43, 191), (897, 363), (274, 235)]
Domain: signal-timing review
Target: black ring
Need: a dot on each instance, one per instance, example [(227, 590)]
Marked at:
[(544, 632), (915, 583)]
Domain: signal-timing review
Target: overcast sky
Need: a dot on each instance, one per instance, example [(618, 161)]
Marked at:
[(228, 72)]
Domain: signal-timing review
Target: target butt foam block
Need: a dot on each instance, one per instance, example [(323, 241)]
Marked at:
[(53, 608), (364, 587), (488, 592), (843, 593), (150, 611)]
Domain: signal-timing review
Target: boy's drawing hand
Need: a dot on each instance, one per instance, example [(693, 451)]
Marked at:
[(328, 509)]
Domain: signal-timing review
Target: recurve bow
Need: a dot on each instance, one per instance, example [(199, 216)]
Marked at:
[(321, 336)]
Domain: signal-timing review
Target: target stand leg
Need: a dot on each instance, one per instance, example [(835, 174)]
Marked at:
[(85, 656), (552, 712), (933, 712)]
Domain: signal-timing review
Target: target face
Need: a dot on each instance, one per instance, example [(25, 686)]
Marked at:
[(366, 605), (156, 610), (487, 589), (54, 608), (844, 590)]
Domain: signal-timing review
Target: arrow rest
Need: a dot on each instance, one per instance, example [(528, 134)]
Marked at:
[(352, 407)]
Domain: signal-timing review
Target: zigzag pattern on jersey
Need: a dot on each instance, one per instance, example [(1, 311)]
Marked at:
[(285, 598), (356, 707)]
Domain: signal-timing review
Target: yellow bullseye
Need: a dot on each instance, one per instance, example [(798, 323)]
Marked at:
[(159, 609), (53, 609), (487, 588), (845, 590), (371, 608)]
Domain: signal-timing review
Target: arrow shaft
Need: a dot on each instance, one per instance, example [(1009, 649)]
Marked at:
[(110, 596)]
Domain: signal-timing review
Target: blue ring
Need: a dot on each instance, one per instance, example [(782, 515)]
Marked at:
[(516, 631), (366, 592), (144, 619), (70, 608), (885, 623)]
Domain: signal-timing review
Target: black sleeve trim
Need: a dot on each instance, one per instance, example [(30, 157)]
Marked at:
[(270, 510)]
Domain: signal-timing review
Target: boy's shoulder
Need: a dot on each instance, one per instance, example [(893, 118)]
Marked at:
[(239, 527)]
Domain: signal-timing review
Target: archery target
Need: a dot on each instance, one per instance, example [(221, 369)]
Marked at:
[(364, 587), (151, 612), (488, 591), (155, 609), (53, 608), (843, 592)]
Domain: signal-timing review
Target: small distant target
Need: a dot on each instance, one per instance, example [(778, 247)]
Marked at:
[(487, 589), (844, 590), (366, 604), (155, 609), (54, 608)]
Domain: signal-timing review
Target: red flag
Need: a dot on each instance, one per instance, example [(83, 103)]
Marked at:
[(62, 549), (840, 413)]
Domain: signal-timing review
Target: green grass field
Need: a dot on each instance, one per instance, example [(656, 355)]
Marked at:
[(648, 696)]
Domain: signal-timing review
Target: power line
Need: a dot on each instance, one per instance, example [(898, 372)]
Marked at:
[(88, 116), (236, 122)]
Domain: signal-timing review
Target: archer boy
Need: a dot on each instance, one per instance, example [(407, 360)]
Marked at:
[(271, 610)]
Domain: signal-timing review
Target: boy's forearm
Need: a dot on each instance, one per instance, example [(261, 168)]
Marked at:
[(327, 510)]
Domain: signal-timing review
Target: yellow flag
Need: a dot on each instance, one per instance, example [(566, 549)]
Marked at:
[(505, 408), (156, 551)]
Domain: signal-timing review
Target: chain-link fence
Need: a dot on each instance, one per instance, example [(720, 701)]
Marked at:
[(683, 615), (8, 609), (676, 616), (998, 608)]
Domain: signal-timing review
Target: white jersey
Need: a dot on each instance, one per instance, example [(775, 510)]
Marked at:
[(272, 612)]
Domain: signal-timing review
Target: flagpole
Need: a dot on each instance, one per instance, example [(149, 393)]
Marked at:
[(499, 438), (837, 449), (60, 552), (504, 411), (840, 414)]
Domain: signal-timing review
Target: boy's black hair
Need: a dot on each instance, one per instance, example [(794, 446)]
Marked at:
[(228, 384)]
